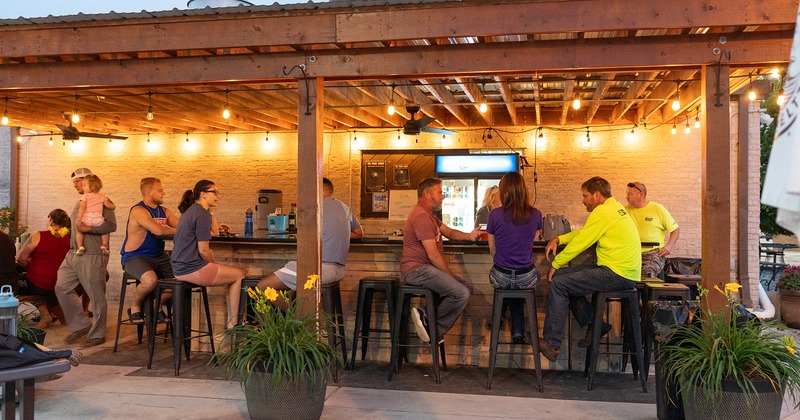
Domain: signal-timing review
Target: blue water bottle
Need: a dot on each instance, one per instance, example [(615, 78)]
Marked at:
[(249, 224)]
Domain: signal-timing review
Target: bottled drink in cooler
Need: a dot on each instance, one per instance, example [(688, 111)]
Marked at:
[(249, 223), (9, 306)]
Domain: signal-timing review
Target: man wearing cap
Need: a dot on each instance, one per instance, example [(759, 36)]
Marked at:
[(143, 255), (653, 222), (88, 271)]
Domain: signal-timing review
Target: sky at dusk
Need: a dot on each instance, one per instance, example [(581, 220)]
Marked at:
[(42, 8)]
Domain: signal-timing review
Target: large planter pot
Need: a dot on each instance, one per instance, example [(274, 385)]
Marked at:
[(790, 307), (731, 404), (286, 400)]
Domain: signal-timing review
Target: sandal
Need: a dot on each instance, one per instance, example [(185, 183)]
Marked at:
[(136, 318), (75, 358), (162, 317)]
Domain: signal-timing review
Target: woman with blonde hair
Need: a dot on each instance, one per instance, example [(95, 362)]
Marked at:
[(491, 200)]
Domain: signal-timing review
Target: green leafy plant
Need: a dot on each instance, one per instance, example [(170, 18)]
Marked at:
[(26, 328), (286, 343), (6, 218), (790, 280), (724, 346)]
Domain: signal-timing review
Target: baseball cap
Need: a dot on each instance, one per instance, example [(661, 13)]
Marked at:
[(81, 172)]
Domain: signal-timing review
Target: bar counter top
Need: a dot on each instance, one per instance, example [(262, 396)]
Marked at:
[(264, 237)]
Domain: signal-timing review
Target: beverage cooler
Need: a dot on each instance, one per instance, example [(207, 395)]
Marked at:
[(465, 179)]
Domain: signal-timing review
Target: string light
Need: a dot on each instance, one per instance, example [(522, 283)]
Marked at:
[(150, 114), (226, 113), (390, 109), (687, 130), (355, 137), (187, 137), (75, 117), (674, 128), (751, 93), (398, 135), (576, 103), (226, 137), (5, 113), (775, 73), (51, 139), (482, 107), (266, 138), (780, 100), (148, 137), (676, 104), (588, 137), (19, 136), (697, 118)]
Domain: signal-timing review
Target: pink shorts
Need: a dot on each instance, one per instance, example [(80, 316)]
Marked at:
[(202, 277)]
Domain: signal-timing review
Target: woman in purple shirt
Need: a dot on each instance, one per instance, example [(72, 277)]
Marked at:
[(512, 229)]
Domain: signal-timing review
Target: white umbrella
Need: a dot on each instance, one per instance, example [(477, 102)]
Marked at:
[(782, 183)]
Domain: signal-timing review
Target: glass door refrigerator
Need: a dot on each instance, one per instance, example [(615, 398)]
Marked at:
[(465, 179)]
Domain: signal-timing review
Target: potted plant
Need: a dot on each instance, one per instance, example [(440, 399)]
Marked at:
[(727, 364), (789, 292), (280, 359), (26, 329)]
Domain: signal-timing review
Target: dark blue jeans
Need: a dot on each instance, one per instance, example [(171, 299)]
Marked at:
[(516, 306), (568, 292)]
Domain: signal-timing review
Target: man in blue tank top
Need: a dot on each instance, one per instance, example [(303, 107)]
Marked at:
[(142, 252)]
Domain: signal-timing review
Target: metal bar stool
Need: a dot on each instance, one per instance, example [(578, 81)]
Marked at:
[(181, 319), (366, 288), (244, 298), (400, 327), (631, 324), (129, 280), (332, 304), (500, 295)]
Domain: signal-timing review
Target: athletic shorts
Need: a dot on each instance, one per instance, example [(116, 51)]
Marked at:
[(138, 265), (202, 277)]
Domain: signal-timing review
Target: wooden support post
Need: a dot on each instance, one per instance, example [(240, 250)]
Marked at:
[(744, 207), (309, 186), (716, 183)]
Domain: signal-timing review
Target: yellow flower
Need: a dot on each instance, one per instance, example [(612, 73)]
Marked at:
[(732, 287), (252, 292), (311, 282), (271, 294), (791, 350), (720, 290)]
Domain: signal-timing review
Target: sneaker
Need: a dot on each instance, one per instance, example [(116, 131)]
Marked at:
[(91, 342), (518, 338), (104, 250), (75, 336), (421, 324), (587, 340), (548, 352), (81, 250)]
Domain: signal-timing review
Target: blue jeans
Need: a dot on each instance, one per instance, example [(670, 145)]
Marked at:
[(515, 282), (452, 292), (568, 292)]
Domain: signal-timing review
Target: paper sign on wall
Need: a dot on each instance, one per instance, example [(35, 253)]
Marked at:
[(400, 203)]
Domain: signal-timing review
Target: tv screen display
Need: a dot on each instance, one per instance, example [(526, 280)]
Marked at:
[(476, 164)]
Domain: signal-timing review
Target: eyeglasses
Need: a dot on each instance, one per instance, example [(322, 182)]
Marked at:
[(632, 185), (215, 192)]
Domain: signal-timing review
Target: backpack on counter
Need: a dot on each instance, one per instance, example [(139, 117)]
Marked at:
[(555, 225)]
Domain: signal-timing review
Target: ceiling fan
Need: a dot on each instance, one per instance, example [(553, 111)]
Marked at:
[(415, 126), (71, 133)]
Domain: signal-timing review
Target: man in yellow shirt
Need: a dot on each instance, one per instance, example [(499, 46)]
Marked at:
[(619, 264), (653, 222)]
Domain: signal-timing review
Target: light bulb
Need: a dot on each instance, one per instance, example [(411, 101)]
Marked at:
[(187, 137), (50, 142), (482, 107), (19, 138), (576, 103), (266, 138), (150, 114), (676, 105), (226, 137), (751, 95), (674, 129), (588, 138), (75, 117), (390, 110), (148, 137), (780, 100), (687, 130), (697, 122), (226, 113), (5, 119)]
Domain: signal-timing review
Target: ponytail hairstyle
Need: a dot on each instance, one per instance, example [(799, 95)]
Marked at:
[(190, 196), (514, 195)]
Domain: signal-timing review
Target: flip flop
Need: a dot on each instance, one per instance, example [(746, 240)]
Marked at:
[(162, 317), (136, 318)]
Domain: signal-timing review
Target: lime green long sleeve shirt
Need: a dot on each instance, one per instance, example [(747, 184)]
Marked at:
[(618, 244)]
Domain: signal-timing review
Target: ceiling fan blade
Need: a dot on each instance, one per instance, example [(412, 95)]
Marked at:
[(438, 131), (103, 136)]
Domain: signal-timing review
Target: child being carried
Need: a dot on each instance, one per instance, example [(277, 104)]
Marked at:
[(91, 211)]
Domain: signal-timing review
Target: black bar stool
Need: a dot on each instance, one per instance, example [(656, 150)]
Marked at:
[(332, 304), (244, 298), (129, 280), (181, 319), (631, 322), (500, 295), (366, 288), (400, 328)]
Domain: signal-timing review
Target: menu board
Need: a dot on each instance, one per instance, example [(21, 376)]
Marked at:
[(400, 203)]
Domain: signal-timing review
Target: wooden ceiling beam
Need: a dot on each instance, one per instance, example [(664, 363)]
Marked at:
[(475, 95), (664, 93), (354, 96), (599, 93), (631, 95), (446, 97), (569, 87), (371, 24), (508, 98)]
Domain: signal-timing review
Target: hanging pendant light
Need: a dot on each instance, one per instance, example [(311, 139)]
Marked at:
[(5, 113)]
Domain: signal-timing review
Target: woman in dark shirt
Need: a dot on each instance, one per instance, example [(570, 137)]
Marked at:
[(192, 260)]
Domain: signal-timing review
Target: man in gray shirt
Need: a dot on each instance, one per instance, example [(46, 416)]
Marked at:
[(339, 225), (89, 271)]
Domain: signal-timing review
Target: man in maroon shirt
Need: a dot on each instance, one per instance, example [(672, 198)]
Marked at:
[(423, 262)]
